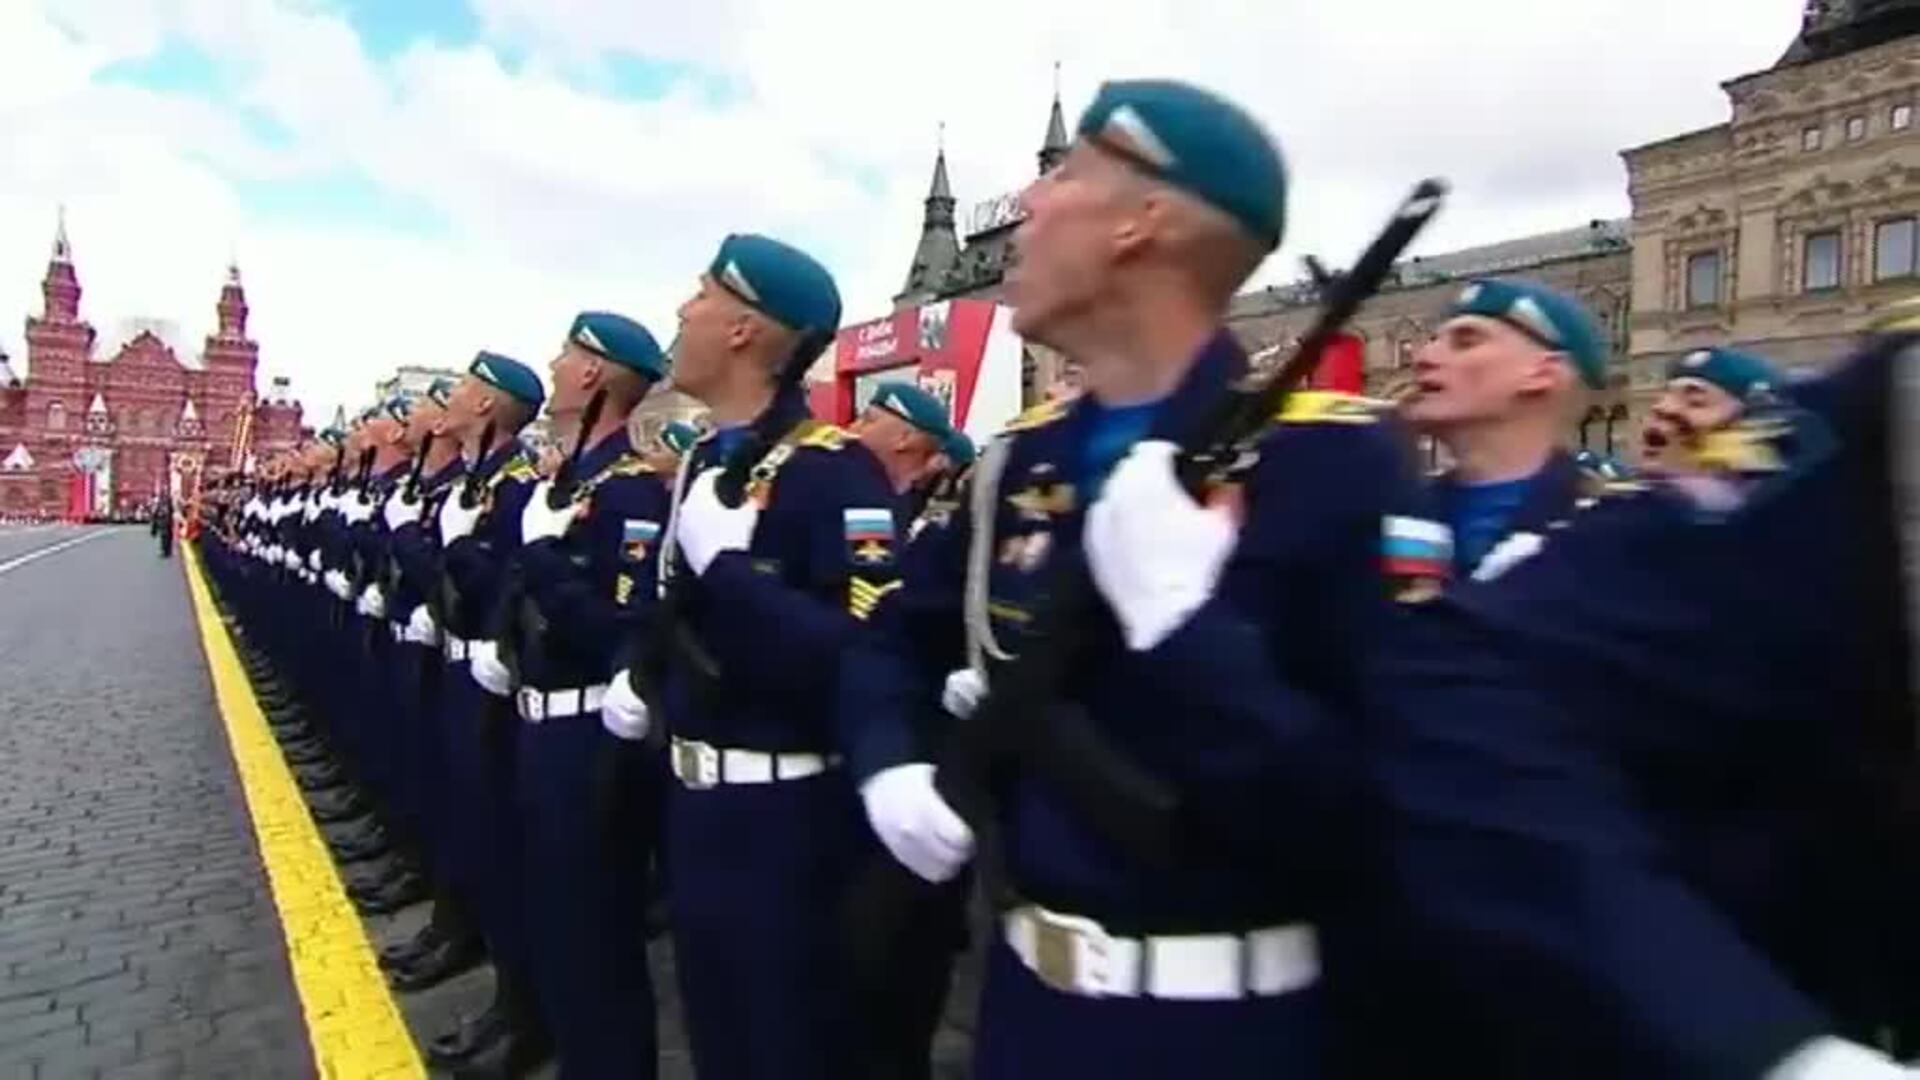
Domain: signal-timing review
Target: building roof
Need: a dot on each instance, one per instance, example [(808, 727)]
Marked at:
[(19, 460), (1504, 257), (1833, 28)]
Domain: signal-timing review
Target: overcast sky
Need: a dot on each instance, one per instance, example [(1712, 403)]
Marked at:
[(405, 181)]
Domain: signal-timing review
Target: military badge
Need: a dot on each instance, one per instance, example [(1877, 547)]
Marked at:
[(636, 537), (622, 589), (869, 534)]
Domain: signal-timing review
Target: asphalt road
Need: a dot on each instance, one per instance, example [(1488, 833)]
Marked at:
[(137, 934)]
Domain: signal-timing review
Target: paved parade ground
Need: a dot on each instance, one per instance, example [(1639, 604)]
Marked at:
[(167, 905)]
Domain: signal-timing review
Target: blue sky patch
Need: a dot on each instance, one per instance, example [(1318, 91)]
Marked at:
[(348, 197), (388, 27), (176, 67)]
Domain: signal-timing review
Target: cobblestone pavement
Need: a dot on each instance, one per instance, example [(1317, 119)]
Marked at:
[(137, 934)]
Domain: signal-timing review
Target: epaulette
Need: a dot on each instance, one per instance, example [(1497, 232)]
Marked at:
[(630, 465), (519, 467), (1899, 317), (824, 437), (1331, 407), (1040, 415)]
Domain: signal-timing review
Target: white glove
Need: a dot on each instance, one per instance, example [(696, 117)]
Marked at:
[(457, 521), (338, 585), (1828, 1058), (420, 628), (963, 692), (1154, 553), (915, 823), (400, 510), (707, 527), (372, 602), (313, 560), (539, 521), (483, 660), (622, 712)]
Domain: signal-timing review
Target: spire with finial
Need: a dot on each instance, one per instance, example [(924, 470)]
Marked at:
[(1055, 146), (233, 306), (62, 250), (60, 289), (938, 252)]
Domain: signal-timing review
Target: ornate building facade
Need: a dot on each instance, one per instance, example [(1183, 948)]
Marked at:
[(1782, 230), (102, 427)]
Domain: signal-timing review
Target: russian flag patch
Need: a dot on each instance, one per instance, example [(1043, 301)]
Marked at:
[(1416, 548), (636, 537), (869, 533)]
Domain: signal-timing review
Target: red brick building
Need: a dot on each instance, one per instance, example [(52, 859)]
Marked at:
[(99, 427)]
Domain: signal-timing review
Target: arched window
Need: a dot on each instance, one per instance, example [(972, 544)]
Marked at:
[(56, 417)]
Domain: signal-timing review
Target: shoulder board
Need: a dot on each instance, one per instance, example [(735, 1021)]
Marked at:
[(630, 465), (823, 436), (519, 467), (1330, 407), (1040, 415)]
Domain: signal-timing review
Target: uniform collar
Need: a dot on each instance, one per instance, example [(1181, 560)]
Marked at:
[(596, 458), (448, 474), (1550, 493), (788, 408), (496, 460), (1209, 378)]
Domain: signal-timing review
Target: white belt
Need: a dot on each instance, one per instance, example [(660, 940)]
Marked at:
[(457, 649), (537, 705), (1077, 956), (700, 765)]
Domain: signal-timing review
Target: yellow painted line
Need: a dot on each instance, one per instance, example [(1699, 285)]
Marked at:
[(352, 1020)]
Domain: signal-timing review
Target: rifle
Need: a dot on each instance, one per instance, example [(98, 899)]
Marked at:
[(412, 489), (528, 620), (1120, 799)]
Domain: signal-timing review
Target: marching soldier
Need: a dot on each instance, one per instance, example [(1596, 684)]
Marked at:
[(589, 536), (1496, 386), (759, 595), (479, 527), (1706, 390), (1639, 792), (449, 943), (1223, 651)]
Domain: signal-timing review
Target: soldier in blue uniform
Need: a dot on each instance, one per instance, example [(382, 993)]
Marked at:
[(449, 943), (1496, 387), (589, 538), (1706, 389), (1635, 813), (479, 527), (909, 433), (1227, 638), (761, 824)]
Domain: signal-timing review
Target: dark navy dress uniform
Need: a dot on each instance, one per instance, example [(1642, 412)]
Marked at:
[(1243, 709), (587, 592), (762, 826), (1627, 811), (415, 676), (479, 728)]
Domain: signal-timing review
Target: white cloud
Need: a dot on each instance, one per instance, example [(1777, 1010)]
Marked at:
[(541, 195)]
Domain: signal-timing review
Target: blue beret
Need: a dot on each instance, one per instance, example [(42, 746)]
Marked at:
[(620, 340), (509, 376), (1738, 373), (679, 436), (915, 406), (333, 437), (399, 407), (439, 391), (1199, 142), (1549, 316), (783, 283), (959, 449)]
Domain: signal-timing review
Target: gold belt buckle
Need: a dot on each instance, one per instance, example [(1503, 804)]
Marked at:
[(1071, 954), (690, 764)]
